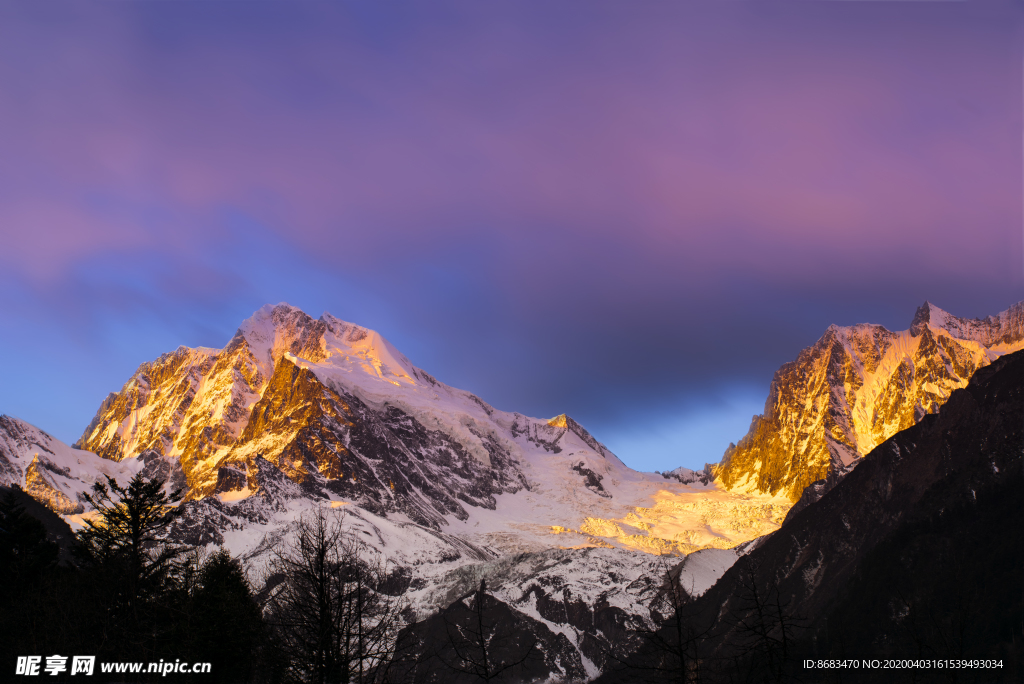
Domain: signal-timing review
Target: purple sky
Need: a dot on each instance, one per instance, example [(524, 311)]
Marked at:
[(629, 212)]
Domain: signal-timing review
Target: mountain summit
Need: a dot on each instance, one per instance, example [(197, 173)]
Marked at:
[(332, 405), (856, 387), (297, 414)]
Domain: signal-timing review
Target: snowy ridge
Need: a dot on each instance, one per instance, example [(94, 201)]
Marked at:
[(687, 476), (54, 473), (1005, 328)]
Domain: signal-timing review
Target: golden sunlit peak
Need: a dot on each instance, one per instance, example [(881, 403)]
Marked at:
[(560, 421)]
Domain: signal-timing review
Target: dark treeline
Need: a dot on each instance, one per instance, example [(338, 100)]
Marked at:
[(120, 590)]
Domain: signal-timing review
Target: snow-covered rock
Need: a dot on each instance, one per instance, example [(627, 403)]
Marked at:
[(54, 473)]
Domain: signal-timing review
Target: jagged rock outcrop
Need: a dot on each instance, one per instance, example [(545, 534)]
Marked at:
[(856, 387), (687, 476), (567, 423), (194, 403), (40, 486), (386, 460), (590, 597)]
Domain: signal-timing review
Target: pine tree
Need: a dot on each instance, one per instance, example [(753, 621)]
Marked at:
[(765, 626), (224, 623), (28, 564), (675, 645), (133, 562)]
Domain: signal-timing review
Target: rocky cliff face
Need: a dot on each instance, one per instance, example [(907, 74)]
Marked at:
[(856, 387), (194, 403), (589, 597)]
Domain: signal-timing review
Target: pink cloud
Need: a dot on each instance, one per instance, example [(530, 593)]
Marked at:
[(726, 144)]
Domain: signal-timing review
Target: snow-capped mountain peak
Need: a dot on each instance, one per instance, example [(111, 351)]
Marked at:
[(337, 411), (276, 330)]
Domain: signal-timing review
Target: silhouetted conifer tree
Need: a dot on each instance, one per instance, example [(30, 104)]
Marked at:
[(134, 566), (220, 621), (25, 552), (28, 562)]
